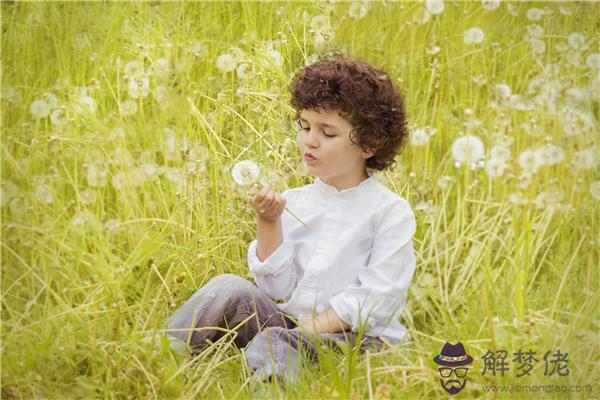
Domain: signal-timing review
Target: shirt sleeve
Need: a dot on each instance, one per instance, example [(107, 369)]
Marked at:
[(276, 275), (380, 295)]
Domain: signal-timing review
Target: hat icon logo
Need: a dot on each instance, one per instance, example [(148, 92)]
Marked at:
[(453, 373)]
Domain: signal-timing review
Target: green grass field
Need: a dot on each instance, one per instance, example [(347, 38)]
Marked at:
[(121, 123)]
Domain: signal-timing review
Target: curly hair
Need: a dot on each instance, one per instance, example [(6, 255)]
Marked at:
[(363, 95)]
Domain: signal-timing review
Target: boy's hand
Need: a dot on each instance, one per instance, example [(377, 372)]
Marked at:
[(269, 205)]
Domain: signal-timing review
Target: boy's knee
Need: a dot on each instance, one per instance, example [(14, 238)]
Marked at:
[(232, 285)]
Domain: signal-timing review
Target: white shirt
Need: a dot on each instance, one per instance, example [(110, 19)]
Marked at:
[(356, 256)]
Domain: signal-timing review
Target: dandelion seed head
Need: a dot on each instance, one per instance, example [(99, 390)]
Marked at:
[(129, 107), (495, 167), (39, 109), (577, 41), (467, 149), (245, 172), (434, 6), (358, 9), (537, 46), (595, 189), (534, 14), (473, 36), (490, 5), (225, 63)]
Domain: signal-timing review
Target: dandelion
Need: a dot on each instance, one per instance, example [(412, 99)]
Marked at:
[(162, 68), (320, 23), (535, 30), (51, 100), (88, 196), (564, 10), (502, 91), (358, 9), (576, 96), (534, 14), (133, 69), (247, 173), (432, 50), (574, 58), (434, 6), (473, 36), (274, 57), (117, 133), (490, 5), (529, 161), (88, 102), (122, 157), (161, 93), (43, 193), (551, 154), (197, 49), (538, 46), (575, 122), (467, 149), (593, 61), (59, 117), (517, 199), (420, 136), (595, 190), (95, 175), (237, 54), (129, 107), (11, 94), (511, 10), (150, 170), (39, 109), (8, 190), (19, 205), (243, 71), (495, 167), (585, 159), (444, 182), (577, 41), (500, 152), (83, 218), (225, 63), (138, 87), (549, 200)]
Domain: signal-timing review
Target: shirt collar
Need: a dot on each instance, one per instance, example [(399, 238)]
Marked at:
[(321, 187)]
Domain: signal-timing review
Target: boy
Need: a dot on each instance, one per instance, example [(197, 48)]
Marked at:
[(349, 271)]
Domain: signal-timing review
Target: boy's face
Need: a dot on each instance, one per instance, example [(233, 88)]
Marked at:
[(326, 135)]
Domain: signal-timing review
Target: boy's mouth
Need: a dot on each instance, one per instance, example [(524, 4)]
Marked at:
[(308, 157)]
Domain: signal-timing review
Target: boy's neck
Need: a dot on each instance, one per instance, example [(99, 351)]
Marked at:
[(350, 183)]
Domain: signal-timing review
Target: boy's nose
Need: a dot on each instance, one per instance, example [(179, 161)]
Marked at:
[(311, 139)]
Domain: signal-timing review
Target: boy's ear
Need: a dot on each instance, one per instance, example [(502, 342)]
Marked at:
[(368, 153)]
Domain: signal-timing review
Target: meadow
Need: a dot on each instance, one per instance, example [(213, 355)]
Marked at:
[(121, 123)]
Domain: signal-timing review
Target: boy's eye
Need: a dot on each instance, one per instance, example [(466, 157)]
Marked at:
[(308, 128)]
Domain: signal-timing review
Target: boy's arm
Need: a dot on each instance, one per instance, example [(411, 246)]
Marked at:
[(271, 256), (326, 322), (269, 236), (380, 293)]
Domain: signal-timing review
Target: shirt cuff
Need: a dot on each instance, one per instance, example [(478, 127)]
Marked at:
[(275, 264), (347, 308)]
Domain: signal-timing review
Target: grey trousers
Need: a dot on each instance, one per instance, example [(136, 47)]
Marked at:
[(271, 341)]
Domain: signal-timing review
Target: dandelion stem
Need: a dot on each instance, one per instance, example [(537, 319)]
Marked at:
[(295, 216)]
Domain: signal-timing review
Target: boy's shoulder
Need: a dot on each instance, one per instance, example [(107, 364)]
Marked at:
[(392, 200)]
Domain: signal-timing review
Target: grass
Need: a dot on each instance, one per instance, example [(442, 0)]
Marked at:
[(106, 231)]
